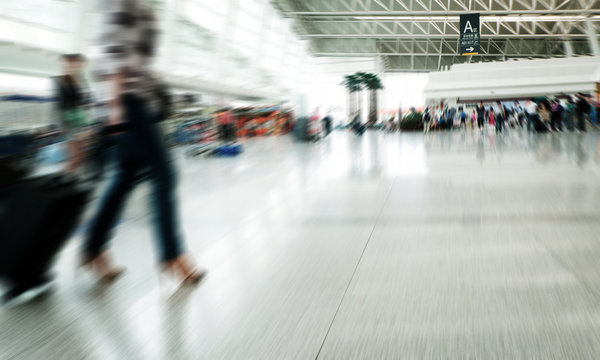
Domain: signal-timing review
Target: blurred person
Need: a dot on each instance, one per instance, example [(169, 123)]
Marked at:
[(532, 114), (570, 114), (356, 124), (426, 120), (499, 117), (597, 108), (128, 44), (327, 123), (315, 127), (389, 124), (436, 117), (594, 116), (463, 118), (518, 113), (545, 114), (72, 95), (514, 116), (522, 116), (583, 108), (473, 119), (480, 115), (591, 110), (442, 120), (226, 125), (508, 111), (556, 119)]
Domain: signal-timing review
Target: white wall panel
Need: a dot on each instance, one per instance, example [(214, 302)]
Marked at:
[(261, 51), (523, 78)]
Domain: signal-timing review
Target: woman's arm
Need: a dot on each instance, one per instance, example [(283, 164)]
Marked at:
[(116, 83)]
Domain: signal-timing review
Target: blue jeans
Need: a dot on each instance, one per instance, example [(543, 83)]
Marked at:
[(141, 148)]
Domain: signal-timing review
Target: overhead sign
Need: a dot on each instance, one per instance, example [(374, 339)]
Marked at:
[(469, 34)]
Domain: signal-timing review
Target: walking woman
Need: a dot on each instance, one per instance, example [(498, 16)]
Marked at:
[(128, 43), (71, 98), (480, 115), (546, 114)]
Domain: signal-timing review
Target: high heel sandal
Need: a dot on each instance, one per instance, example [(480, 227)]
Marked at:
[(102, 267), (183, 270)]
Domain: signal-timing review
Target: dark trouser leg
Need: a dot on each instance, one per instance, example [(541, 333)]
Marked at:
[(560, 122), (231, 129), (569, 121), (112, 203), (581, 122), (164, 208), (151, 145)]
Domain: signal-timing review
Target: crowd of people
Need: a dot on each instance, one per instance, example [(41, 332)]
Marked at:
[(538, 114)]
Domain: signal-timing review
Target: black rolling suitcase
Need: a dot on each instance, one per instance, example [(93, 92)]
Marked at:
[(37, 217)]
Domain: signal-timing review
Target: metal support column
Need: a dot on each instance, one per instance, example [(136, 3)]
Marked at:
[(568, 48), (592, 37)]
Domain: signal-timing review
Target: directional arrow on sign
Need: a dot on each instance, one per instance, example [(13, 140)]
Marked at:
[(470, 48)]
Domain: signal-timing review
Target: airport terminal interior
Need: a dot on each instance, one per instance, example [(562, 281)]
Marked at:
[(347, 179)]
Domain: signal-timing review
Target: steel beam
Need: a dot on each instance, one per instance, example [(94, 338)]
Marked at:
[(441, 13), (437, 36)]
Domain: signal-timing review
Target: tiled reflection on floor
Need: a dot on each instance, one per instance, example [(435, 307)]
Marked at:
[(448, 245)]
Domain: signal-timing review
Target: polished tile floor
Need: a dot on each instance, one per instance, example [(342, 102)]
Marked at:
[(387, 246)]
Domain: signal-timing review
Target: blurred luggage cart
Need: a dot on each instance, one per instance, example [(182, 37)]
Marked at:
[(201, 135), (228, 150)]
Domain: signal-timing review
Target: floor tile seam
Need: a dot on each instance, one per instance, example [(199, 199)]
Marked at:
[(351, 280)]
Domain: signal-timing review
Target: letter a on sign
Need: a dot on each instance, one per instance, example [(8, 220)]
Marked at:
[(468, 27), (469, 34)]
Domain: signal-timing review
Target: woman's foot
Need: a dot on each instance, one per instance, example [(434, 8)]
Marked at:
[(184, 270), (103, 267)]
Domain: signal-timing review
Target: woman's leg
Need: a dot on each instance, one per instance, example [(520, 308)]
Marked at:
[(112, 202), (165, 209), (150, 143)]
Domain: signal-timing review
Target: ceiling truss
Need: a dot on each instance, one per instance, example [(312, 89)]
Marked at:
[(423, 35)]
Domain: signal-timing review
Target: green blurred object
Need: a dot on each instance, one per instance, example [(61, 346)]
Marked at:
[(75, 118), (353, 84), (372, 82), (412, 121)]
